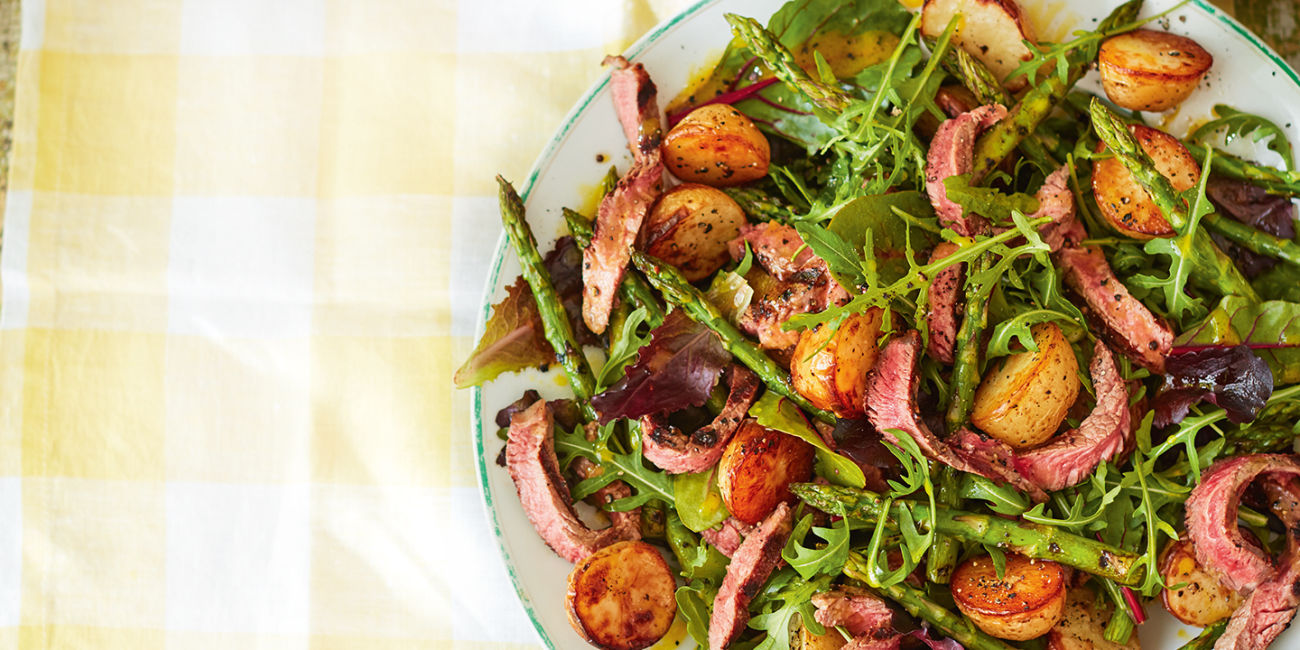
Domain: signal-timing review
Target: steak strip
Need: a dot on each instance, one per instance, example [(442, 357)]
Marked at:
[(1273, 590), (750, 566), (952, 153), (1126, 322), (622, 211), (678, 453), (530, 458)]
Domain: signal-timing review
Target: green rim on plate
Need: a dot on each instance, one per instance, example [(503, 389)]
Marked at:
[(542, 161)]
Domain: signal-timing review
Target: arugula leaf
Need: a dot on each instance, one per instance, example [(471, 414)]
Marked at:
[(786, 596), (693, 606), (986, 201), (776, 412), (698, 501), (1188, 250), (841, 258), (1236, 124), (1002, 499), (1018, 328), (1271, 329), (630, 467), (622, 353), (827, 560)]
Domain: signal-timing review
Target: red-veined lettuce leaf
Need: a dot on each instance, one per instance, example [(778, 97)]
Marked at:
[(513, 339), (677, 369), (1271, 329)]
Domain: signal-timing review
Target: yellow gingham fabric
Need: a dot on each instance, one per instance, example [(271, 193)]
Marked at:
[(243, 253)]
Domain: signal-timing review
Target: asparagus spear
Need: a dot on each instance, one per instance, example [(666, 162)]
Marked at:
[(633, 289), (1021, 120), (677, 291), (1205, 640), (1275, 181), (776, 56), (555, 323), (942, 556), (1028, 539), (965, 367), (988, 90), (958, 627), (758, 204), (1215, 270), (1253, 239)]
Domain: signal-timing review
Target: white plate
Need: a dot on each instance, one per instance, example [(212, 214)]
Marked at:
[(1246, 74)]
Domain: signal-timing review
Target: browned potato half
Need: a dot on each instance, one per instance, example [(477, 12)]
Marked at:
[(1201, 599), (716, 145), (830, 367), (622, 597), (1127, 207), (804, 639), (1023, 604), (1147, 70), (757, 468), (1023, 400), (993, 31), (689, 228), (1084, 628)]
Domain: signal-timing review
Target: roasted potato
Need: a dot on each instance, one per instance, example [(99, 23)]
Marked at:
[(716, 145), (1127, 207), (1201, 599), (1147, 70), (803, 639), (757, 468), (1023, 400), (689, 228), (1023, 604), (1083, 626), (622, 597), (993, 31), (829, 367)]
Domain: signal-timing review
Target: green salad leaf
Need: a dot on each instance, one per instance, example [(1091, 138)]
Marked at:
[(776, 412)]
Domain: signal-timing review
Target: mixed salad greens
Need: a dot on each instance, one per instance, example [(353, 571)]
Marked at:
[(899, 347)]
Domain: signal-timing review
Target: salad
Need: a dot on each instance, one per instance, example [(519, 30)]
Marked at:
[(891, 335)]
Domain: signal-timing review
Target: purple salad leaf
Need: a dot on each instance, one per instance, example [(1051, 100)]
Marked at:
[(678, 368), (1233, 378), (1255, 207), (924, 635), (513, 339)]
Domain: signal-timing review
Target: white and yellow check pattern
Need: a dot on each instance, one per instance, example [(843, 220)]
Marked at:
[(243, 252)]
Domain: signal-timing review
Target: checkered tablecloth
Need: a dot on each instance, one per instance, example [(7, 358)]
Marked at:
[(244, 250)]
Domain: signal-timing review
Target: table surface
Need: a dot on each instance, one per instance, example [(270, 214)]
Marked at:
[(312, 486)]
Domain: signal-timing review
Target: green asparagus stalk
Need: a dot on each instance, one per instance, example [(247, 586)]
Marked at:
[(633, 289), (1275, 181), (758, 204), (942, 556), (766, 47), (966, 358), (555, 323), (677, 291), (1253, 239), (1028, 539), (1023, 118), (977, 78), (1215, 270), (955, 626), (1205, 640)]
